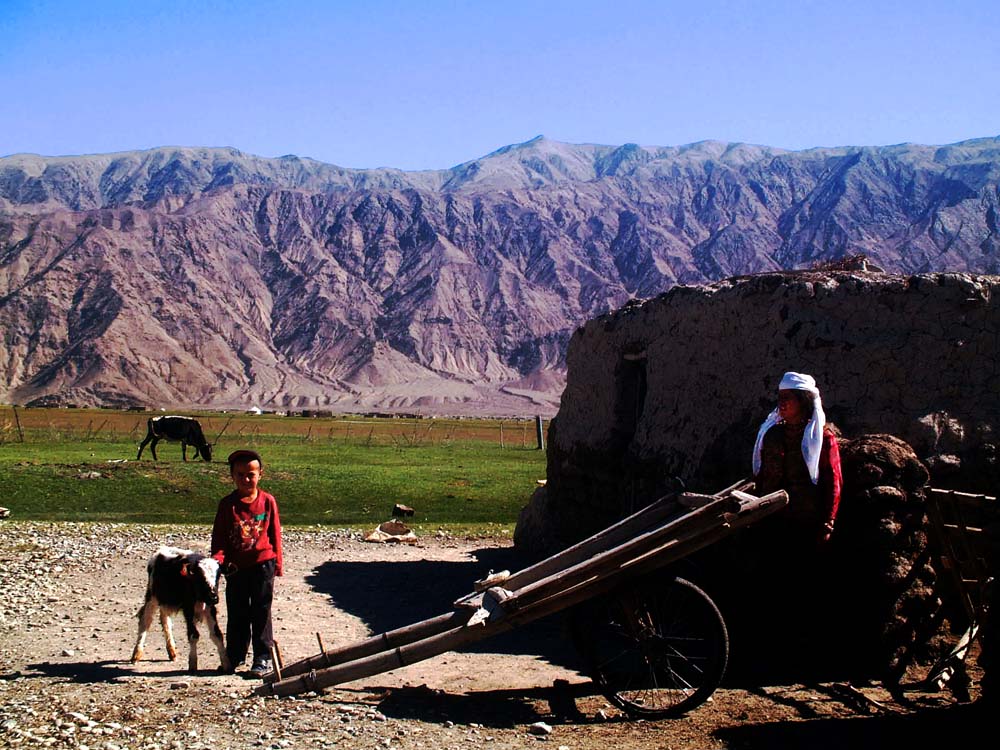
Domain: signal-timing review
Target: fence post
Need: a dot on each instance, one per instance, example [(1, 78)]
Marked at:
[(501, 435), (539, 435), (17, 421)]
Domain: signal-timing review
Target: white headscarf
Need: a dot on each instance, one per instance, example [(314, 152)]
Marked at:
[(812, 438)]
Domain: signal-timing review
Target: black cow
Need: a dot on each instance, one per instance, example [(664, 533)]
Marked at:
[(181, 581), (185, 429)]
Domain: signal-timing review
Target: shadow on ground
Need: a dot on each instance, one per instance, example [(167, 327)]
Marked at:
[(388, 595), (87, 672), (497, 709), (937, 728)]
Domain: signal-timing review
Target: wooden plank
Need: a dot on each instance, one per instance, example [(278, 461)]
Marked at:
[(962, 495), (963, 529), (373, 664), (388, 640), (622, 531)]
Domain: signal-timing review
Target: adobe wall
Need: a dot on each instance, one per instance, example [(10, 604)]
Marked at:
[(678, 385)]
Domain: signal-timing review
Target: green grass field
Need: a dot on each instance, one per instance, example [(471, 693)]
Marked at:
[(80, 465)]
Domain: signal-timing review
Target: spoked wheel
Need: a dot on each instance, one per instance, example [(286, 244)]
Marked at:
[(657, 649)]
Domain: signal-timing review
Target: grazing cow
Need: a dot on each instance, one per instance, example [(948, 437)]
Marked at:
[(181, 581), (185, 429)]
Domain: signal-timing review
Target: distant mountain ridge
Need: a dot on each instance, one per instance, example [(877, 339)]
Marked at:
[(206, 276)]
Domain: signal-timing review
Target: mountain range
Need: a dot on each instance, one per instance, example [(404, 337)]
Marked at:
[(186, 277)]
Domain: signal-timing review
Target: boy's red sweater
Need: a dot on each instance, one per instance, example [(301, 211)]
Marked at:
[(246, 534)]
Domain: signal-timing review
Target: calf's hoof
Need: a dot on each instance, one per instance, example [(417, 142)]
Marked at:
[(136, 655)]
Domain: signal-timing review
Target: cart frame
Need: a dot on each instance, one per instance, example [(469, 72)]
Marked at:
[(663, 532)]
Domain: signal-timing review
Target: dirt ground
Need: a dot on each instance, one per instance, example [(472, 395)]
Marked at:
[(69, 593)]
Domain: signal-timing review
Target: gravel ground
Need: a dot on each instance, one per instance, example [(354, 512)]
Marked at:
[(69, 593)]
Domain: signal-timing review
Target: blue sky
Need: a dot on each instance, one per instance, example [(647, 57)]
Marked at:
[(431, 84)]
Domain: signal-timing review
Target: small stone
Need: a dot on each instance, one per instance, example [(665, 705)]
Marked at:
[(540, 728), (68, 652), (180, 685)]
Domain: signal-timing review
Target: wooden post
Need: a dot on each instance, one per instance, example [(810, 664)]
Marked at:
[(17, 421), (376, 644), (501, 436), (376, 663), (539, 435), (276, 660)]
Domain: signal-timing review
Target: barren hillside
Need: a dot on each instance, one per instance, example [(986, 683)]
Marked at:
[(184, 276)]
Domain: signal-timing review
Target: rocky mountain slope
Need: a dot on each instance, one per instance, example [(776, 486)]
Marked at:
[(197, 276)]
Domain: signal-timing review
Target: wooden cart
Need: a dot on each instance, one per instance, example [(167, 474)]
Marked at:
[(958, 549), (654, 650)]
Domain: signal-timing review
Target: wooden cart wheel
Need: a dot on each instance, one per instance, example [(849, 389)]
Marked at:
[(656, 649)]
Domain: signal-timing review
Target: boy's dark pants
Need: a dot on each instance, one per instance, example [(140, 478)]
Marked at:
[(248, 612)]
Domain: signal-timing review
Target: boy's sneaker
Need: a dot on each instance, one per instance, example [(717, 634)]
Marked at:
[(261, 667)]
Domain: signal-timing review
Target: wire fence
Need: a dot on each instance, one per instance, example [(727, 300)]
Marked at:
[(20, 425)]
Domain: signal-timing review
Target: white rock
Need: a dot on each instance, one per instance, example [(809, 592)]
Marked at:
[(540, 728)]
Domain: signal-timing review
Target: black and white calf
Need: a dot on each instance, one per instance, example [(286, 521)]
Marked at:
[(181, 581), (185, 429)]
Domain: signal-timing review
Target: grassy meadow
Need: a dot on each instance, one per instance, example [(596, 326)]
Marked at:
[(80, 465)]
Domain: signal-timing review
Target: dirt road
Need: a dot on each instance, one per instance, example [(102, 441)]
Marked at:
[(69, 593)]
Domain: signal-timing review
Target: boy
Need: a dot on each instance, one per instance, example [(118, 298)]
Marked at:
[(246, 540)]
